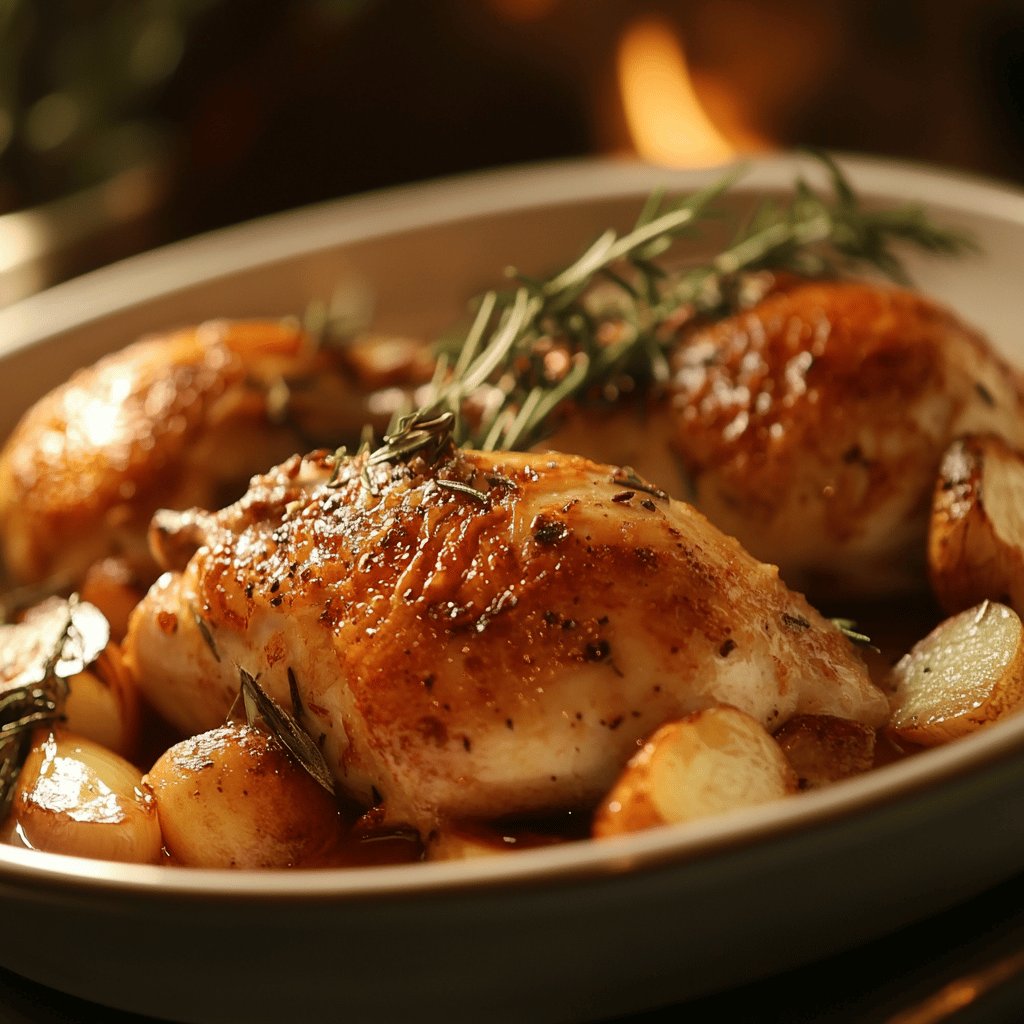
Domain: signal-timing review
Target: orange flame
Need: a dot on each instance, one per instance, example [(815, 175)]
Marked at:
[(666, 120)]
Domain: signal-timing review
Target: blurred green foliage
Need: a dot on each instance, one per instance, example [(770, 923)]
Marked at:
[(81, 83)]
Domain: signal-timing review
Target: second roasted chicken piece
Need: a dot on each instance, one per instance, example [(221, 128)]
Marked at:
[(491, 634), (173, 420), (812, 427)]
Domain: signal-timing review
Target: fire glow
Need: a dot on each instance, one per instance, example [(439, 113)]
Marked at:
[(666, 120)]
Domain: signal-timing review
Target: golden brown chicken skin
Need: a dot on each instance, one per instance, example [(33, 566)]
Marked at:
[(812, 427), (173, 420), (491, 636)]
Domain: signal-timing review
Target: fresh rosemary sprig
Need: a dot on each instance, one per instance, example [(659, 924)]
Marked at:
[(813, 237), (533, 348)]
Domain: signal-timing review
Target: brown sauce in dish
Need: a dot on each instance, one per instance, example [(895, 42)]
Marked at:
[(359, 849), (893, 627)]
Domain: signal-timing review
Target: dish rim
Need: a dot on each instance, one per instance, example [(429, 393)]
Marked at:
[(282, 236), (306, 231)]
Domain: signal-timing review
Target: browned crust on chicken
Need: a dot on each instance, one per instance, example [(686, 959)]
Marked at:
[(813, 426), (475, 654), (172, 421)]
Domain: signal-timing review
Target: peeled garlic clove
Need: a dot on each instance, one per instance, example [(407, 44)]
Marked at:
[(76, 797)]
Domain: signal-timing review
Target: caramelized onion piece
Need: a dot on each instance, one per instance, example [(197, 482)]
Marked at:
[(76, 797)]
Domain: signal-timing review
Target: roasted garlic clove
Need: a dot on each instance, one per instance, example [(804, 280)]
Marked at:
[(713, 761), (968, 672), (233, 798)]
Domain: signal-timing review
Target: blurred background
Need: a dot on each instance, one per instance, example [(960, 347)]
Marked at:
[(125, 125)]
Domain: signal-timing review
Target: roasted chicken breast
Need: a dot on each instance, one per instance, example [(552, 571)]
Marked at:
[(493, 634)]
